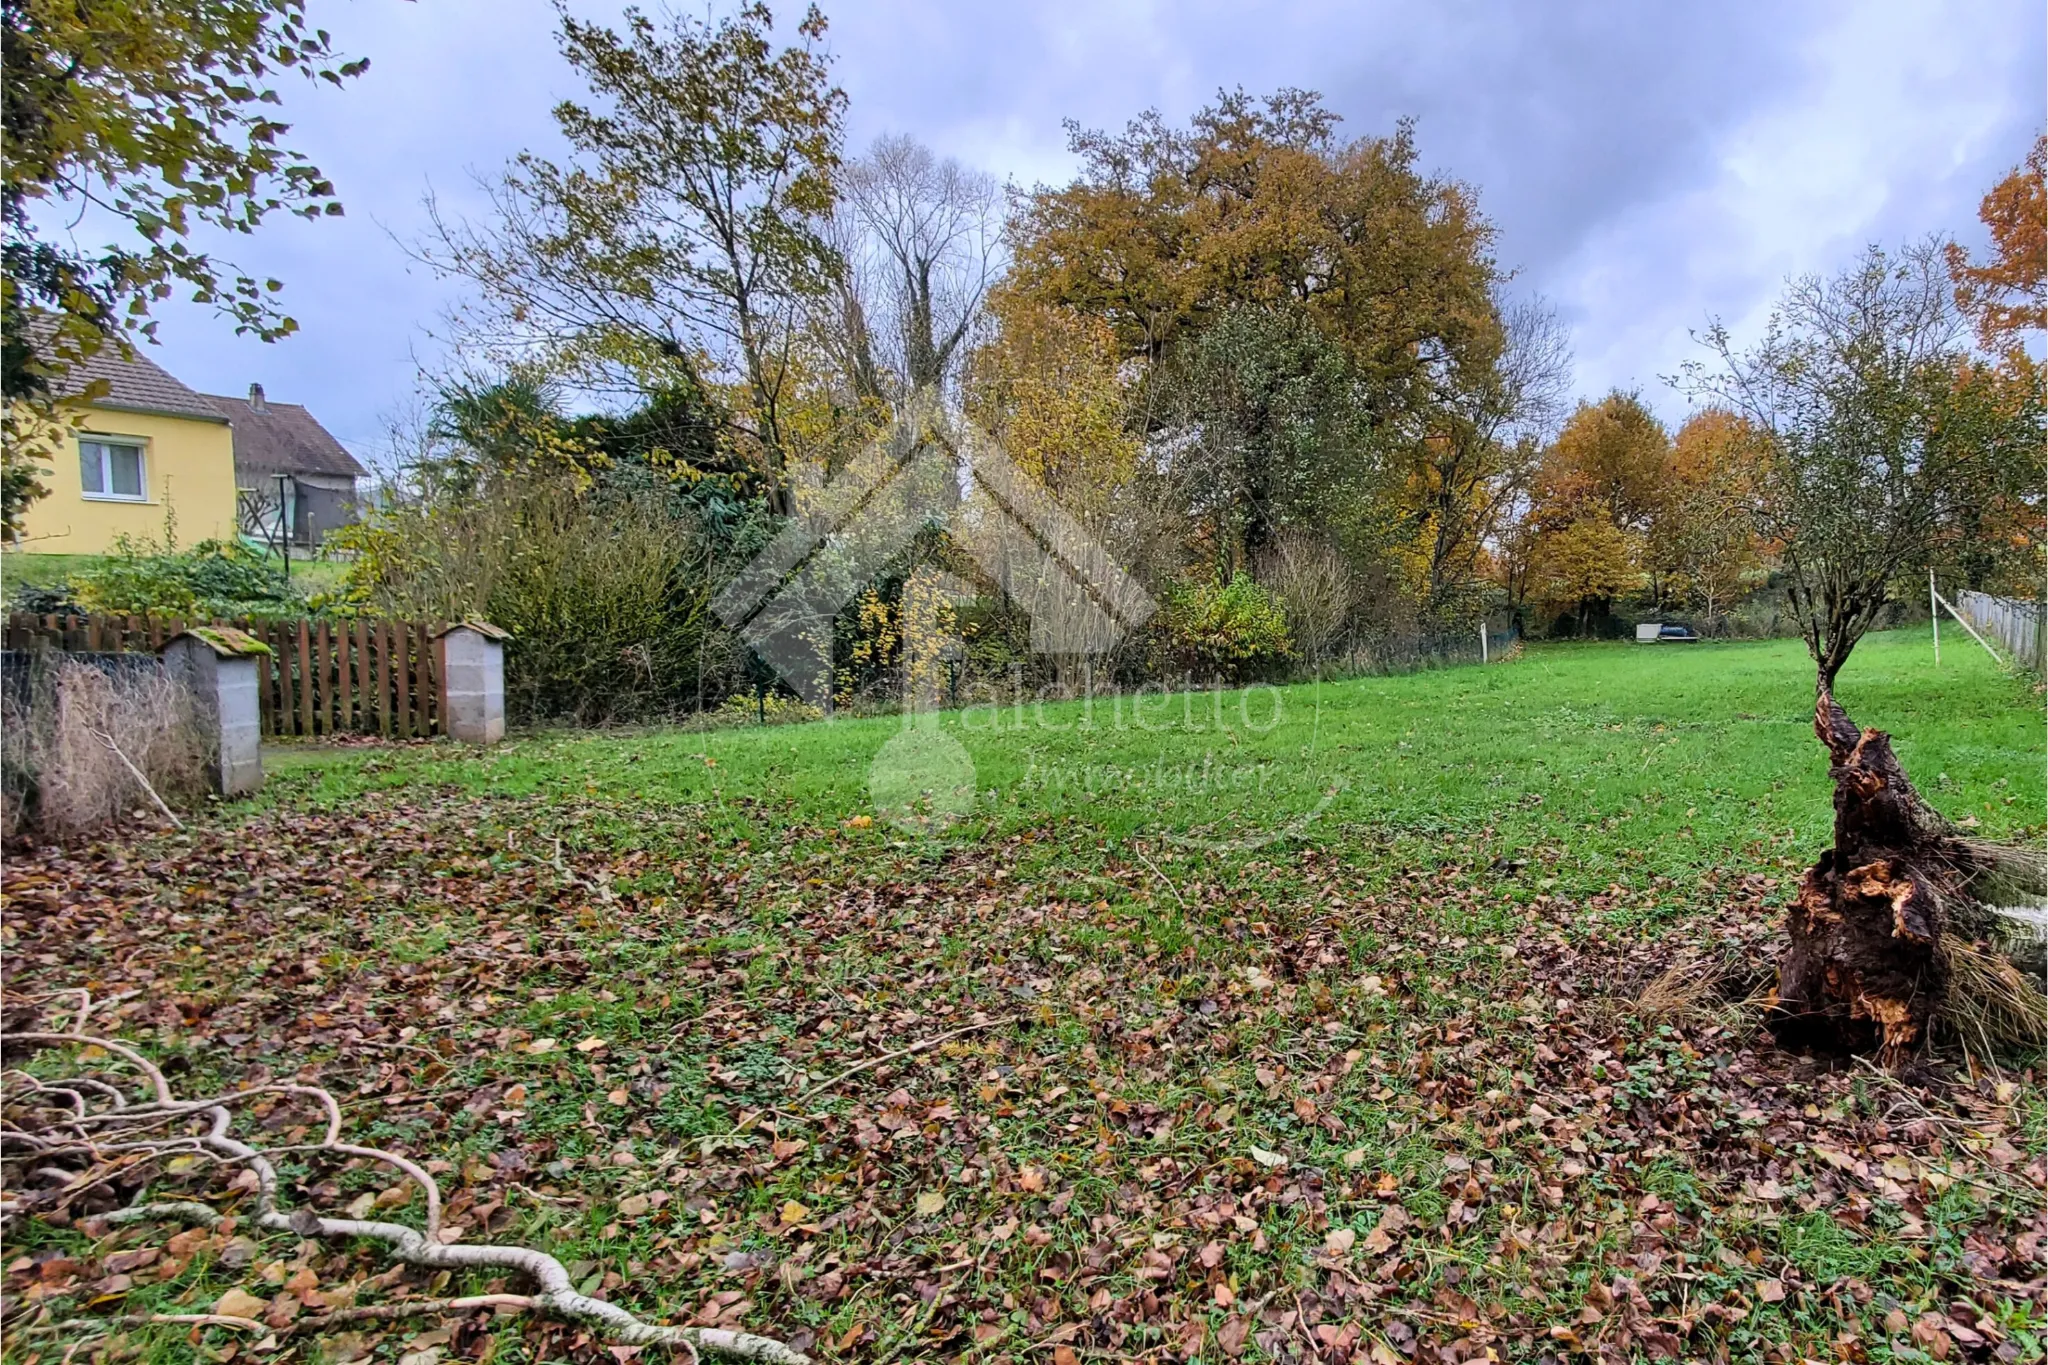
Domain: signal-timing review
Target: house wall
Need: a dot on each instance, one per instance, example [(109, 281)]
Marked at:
[(188, 472), (326, 503)]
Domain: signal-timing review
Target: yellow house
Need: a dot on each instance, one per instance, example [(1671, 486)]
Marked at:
[(148, 453)]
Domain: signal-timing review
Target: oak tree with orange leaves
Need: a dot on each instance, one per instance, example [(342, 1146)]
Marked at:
[(2007, 295)]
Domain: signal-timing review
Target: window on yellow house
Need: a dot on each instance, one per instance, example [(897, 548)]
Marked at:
[(111, 469)]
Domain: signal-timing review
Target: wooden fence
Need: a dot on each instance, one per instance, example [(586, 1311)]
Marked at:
[(2013, 623), (320, 678)]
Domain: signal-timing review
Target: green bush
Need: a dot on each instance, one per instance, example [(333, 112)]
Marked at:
[(213, 578), (1228, 632), (605, 587)]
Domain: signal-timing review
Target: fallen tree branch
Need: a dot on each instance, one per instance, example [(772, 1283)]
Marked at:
[(925, 1046), (136, 773), (40, 1130)]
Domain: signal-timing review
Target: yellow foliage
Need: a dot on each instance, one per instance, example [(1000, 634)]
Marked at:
[(1047, 389)]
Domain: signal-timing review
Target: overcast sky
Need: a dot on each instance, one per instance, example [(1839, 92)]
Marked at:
[(1648, 165)]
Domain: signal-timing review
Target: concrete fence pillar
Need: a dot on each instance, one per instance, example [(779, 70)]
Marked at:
[(470, 658), (217, 666)]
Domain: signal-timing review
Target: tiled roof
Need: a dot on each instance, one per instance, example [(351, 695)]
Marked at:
[(283, 438), (139, 384)]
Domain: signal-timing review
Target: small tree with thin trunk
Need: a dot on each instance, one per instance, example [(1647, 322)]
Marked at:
[(679, 242), (1881, 433), (1883, 437)]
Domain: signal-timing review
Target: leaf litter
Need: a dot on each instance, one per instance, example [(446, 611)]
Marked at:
[(1292, 1105)]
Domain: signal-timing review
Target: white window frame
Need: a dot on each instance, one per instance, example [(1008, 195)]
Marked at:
[(141, 449)]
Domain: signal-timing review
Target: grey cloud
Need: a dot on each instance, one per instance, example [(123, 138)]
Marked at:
[(1646, 164)]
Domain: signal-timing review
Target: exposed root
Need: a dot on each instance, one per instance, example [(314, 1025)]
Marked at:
[(86, 1119), (2006, 874)]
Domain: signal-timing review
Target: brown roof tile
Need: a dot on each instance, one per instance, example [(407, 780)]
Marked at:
[(138, 384), (283, 438)]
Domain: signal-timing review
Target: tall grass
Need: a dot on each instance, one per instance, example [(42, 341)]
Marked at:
[(84, 747)]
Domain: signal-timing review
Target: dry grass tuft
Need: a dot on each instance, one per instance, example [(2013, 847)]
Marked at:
[(62, 776), (1991, 1004), (1706, 989), (2006, 874)]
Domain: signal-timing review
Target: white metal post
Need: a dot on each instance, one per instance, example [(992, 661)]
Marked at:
[(1482, 643), (1934, 614)]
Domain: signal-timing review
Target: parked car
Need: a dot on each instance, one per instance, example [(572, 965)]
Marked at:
[(1665, 633)]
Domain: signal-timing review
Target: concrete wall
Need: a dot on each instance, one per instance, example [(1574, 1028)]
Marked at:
[(224, 701), (472, 686)]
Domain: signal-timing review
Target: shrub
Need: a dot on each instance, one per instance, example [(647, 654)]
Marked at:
[(213, 578), (772, 708), (63, 726), (606, 589), (1228, 632), (1312, 583), (45, 599)]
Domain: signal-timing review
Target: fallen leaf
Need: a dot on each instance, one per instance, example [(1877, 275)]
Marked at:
[(1230, 1337), (240, 1303)]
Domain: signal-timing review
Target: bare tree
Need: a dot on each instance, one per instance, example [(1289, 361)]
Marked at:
[(1473, 466), (1315, 588), (919, 239)]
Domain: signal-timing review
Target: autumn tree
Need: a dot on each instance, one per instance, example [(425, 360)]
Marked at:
[(1610, 460), (1701, 545), (1594, 494), (1262, 416), (1317, 311), (1045, 386), (160, 118), (1584, 564), (682, 235), (2007, 295), (1465, 478), (1881, 437)]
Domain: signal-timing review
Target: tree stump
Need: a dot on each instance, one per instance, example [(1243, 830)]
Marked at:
[(1864, 968)]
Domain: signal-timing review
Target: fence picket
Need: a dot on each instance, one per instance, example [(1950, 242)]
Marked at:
[(320, 677), (323, 662), (266, 709), (381, 688), (287, 691), (304, 652), (401, 713), (422, 688), (360, 684)]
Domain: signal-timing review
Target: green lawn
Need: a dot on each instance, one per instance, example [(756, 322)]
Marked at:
[(1205, 1041), (47, 570), (1611, 761)]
